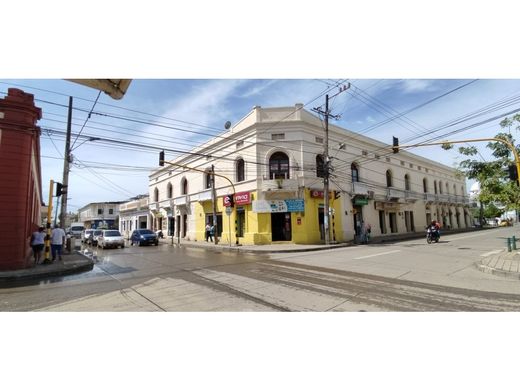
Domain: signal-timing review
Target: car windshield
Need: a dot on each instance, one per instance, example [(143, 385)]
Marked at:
[(98, 232), (77, 228), (112, 233), (145, 231)]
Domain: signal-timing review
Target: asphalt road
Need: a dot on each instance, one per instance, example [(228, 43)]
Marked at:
[(402, 276)]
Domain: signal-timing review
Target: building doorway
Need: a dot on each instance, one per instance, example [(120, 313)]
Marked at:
[(281, 226), (408, 221), (171, 226), (321, 222), (184, 218), (241, 222), (358, 218)]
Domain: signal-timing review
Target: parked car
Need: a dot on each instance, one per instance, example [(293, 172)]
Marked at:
[(86, 235), (94, 237), (110, 238), (143, 237)]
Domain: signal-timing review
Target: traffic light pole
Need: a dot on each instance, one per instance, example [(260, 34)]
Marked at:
[(47, 257), (66, 162), (508, 144), (213, 189)]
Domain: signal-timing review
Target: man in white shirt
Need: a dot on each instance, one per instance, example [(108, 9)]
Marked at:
[(57, 241)]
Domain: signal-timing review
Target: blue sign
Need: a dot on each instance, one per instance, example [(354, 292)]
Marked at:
[(295, 205)]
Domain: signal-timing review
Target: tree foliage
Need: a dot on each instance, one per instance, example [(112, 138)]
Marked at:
[(495, 186)]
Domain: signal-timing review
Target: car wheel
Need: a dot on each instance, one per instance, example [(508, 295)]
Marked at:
[(122, 246), (156, 243)]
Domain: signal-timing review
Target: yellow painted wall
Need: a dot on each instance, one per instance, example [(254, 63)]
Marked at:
[(258, 225)]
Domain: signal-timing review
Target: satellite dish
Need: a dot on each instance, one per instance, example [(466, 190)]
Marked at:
[(227, 125)]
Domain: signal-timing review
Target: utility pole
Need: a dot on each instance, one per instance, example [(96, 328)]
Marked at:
[(326, 158), (66, 161), (214, 200)]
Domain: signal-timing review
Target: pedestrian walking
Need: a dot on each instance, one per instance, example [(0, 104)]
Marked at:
[(212, 232), (57, 242), (37, 244), (363, 229), (208, 232)]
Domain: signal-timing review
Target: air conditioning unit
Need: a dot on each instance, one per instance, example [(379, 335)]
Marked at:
[(370, 194)]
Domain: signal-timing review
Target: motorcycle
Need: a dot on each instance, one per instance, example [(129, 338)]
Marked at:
[(432, 235), (159, 234)]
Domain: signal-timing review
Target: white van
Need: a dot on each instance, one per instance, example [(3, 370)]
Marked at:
[(76, 228)]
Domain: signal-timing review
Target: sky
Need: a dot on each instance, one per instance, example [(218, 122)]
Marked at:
[(181, 113)]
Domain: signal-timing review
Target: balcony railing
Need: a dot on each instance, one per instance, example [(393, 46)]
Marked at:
[(278, 185), (394, 193), (412, 195), (430, 197), (359, 188)]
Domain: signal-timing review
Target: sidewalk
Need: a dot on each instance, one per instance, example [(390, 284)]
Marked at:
[(72, 263), (503, 263)]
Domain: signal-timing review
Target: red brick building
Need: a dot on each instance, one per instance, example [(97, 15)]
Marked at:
[(20, 178)]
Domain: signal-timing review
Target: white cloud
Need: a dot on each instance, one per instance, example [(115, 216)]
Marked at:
[(412, 86)]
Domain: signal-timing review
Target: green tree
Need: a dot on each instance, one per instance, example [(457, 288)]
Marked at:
[(493, 176)]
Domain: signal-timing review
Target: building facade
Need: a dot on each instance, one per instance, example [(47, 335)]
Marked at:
[(20, 174), (134, 214), (102, 215), (272, 160)]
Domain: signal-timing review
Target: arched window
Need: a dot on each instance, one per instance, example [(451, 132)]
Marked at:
[(454, 189), (355, 172), (169, 190), (462, 190), (320, 166), (207, 179), (156, 195), (279, 166), (184, 186), (425, 185), (407, 182), (447, 188), (389, 178), (440, 187), (240, 171), (435, 186)]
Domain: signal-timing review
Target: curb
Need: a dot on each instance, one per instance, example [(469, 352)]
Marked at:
[(66, 270), (497, 272), (260, 251)]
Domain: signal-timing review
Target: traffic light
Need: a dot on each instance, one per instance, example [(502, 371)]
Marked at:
[(161, 158), (395, 145), (60, 189), (231, 200), (513, 173)]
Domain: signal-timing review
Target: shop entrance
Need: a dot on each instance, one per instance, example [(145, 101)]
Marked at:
[(321, 222), (281, 226), (358, 218)]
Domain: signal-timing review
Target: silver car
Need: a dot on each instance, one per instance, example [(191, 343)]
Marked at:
[(110, 238)]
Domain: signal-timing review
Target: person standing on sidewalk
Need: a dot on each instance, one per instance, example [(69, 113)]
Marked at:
[(208, 232), (37, 243), (57, 242)]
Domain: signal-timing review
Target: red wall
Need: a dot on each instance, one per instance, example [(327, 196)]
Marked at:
[(20, 178)]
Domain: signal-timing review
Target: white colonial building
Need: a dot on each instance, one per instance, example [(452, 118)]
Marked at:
[(134, 214), (101, 215), (272, 161)]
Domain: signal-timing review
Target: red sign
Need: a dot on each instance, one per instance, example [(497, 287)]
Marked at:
[(241, 198), (318, 194)]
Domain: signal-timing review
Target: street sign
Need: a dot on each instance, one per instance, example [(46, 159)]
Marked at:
[(229, 210)]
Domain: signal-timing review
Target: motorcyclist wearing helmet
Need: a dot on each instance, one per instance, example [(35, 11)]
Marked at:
[(435, 228)]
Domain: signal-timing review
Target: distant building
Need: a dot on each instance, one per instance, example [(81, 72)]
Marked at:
[(102, 215), (134, 214), (20, 175)]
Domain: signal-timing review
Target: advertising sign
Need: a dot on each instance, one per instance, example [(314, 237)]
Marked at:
[(241, 198), (279, 206)]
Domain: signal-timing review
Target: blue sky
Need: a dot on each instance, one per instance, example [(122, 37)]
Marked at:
[(197, 109)]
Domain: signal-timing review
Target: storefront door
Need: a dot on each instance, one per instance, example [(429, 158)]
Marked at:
[(281, 226)]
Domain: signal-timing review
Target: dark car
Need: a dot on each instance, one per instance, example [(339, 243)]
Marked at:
[(143, 237)]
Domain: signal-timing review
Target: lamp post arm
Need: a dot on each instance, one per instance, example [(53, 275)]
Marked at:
[(200, 170)]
